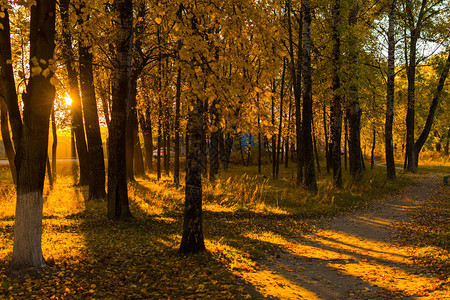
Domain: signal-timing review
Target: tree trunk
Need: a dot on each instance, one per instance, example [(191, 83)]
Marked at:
[(327, 154), (176, 173), (354, 112), (279, 148), (146, 127), (138, 165), (54, 144), (286, 162), (315, 147), (308, 155), (192, 239), (274, 146), (345, 141), (296, 70), (93, 135), (372, 155), (131, 132), (74, 92), (7, 76), (32, 150), (118, 208), (336, 111), (390, 90), (9, 149), (49, 172), (448, 142), (214, 144)]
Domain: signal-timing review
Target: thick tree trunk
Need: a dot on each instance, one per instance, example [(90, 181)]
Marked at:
[(447, 145), (74, 92), (192, 239), (354, 112), (118, 208), (93, 135), (390, 89), (32, 150), (308, 155), (336, 111), (9, 149)]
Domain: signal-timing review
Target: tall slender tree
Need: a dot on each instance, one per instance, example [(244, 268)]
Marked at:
[(390, 89), (74, 93), (92, 126), (308, 153), (336, 111)]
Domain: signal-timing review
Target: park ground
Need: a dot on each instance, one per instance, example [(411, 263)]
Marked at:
[(265, 238)]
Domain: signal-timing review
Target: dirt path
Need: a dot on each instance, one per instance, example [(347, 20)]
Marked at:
[(352, 257)]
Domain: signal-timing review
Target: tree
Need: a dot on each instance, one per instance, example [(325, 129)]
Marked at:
[(74, 92), (93, 135), (354, 111), (418, 17), (308, 151), (32, 150), (390, 89), (336, 111), (192, 239), (118, 207)]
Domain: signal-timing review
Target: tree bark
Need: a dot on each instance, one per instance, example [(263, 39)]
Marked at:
[(54, 144), (32, 150), (192, 239), (74, 92), (296, 70), (176, 169), (315, 147), (336, 111), (93, 135), (354, 111), (118, 208), (9, 149), (214, 144), (279, 148), (308, 155), (390, 90), (146, 127), (7, 76)]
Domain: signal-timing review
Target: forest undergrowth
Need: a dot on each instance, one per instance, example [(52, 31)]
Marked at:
[(246, 215)]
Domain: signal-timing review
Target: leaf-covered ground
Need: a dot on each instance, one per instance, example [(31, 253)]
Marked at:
[(260, 237)]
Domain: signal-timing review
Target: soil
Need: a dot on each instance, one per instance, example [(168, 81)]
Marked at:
[(353, 256)]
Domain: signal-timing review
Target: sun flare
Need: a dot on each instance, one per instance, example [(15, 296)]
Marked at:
[(68, 100)]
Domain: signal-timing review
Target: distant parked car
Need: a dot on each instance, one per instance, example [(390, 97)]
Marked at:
[(161, 152)]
